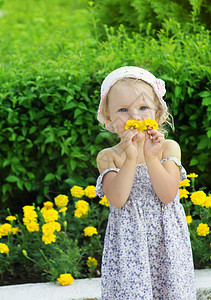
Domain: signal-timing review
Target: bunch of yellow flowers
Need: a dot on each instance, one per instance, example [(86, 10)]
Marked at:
[(141, 126), (50, 216), (197, 198), (30, 218), (82, 208)]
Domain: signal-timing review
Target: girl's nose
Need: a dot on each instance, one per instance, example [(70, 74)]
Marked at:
[(135, 116)]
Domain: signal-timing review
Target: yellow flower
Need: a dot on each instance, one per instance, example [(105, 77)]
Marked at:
[(202, 229), (49, 228), (11, 218), (5, 229), (90, 191), (32, 226), (15, 230), (91, 262), (89, 231), (65, 279), (4, 248), (29, 215), (150, 123), (184, 183), (24, 252), (141, 126), (104, 201), (183, 193), (48, 205), (189, 219), (63, 209), (48, 238), (61, 201), (207, 202), (132, 123), (77, 191), (198, 198), (82, 208), (28, 208), (78, 213), (50, 215), (82, 205), (192, 175)]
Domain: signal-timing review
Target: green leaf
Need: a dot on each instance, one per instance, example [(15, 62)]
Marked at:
[(49, 177), (194, 162), (12, 178)]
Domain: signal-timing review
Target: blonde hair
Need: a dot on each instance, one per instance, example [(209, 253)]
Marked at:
[(162, 116)]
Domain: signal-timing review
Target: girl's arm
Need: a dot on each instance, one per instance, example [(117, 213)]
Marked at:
[(117, 186), (164, 177)]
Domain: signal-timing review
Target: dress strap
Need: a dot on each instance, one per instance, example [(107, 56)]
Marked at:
[(99, 186), (183, 174)]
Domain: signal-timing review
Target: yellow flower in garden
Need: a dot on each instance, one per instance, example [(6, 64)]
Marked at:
[(82, 208), (61, 201), (89, 231), (11, 218), (189, 219), (90, 191), (24, 252), (50, 215), (192, 175), (29, 215), (5, 229), (104, 201), (32, 226), (49, 238), (198, 198), (184, 183), (78, 213), (49, 228), (77, 191), (183, 193), (91, 261), (202, 229), (15, 230), (82, 205), (63, 209), (65, 279), (207, 202), (28, 208), (4, 248), (48, 205)]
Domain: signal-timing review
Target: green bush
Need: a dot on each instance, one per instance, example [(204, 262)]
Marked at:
[(42, 243), (142, 14), (50, 90)]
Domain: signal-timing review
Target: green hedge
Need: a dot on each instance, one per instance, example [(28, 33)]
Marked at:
[(49, 96), (141, 14)]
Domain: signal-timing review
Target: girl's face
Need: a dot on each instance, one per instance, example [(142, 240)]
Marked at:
[(127, 102)]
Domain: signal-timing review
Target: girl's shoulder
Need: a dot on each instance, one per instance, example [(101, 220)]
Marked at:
[(171, 149), (106, 159)]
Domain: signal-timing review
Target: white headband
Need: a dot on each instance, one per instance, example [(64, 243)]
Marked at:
[(132, 72)]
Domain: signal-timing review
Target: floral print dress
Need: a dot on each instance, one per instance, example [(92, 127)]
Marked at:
[(147, 252)]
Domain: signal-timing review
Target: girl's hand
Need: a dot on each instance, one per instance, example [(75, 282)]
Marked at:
[(129, 144), (153, 143)]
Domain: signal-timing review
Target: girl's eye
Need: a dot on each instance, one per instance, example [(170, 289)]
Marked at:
[(143, 108), (123, 109)]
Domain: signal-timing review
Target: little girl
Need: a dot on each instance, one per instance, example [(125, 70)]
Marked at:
[(147, 252)]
